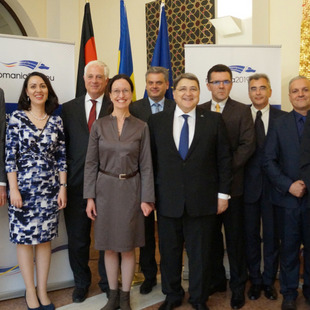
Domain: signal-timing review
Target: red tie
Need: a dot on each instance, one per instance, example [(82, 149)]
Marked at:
[(92, 114)]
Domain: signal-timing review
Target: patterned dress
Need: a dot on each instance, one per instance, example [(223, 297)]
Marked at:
[(37, 175)]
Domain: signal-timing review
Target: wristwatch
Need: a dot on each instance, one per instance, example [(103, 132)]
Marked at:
[(63, 184)]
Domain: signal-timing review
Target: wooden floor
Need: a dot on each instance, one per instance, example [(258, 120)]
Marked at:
[(218, 301)]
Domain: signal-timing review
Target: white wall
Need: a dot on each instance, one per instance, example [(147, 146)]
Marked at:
[(275, 22)]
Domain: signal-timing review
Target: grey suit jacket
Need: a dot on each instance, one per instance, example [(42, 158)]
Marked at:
[(142, 108), (2, 137), (240, 128), (77, 134)]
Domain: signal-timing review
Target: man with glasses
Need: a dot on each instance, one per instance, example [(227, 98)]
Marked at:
[(239, 123), (259, 209), (192, 169), (157, 83)]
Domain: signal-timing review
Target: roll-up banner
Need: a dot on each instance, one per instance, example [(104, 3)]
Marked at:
[(243, 62), (20, 56)]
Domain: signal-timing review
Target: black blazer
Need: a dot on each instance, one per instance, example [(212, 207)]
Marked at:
[(142, 108), (194, 183), (77, 134), (281, 160), (2, 137), (254, 177), (239, 123)]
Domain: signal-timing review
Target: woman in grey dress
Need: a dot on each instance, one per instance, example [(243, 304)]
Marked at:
[(119, 188)]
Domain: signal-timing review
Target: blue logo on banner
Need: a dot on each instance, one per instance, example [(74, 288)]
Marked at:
[(26, 63), (240, 69)]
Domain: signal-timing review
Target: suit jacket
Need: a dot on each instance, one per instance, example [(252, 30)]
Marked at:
[(194, 183), (142, 108), (305, 155), (77, 134), (239, 123), (281, 160), (2, 137), (254, 178)]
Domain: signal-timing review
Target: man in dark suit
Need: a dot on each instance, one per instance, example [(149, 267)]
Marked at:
[(258, 207), (192, 168), (78, 115), (281, 163), (157, 83), (2, 146), (239, 123)]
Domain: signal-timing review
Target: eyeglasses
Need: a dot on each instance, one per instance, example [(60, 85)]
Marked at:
[(217, 83), (185, 89), (117, 92)]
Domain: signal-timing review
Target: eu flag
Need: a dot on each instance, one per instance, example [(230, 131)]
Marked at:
[(124, 51), (161, 55)]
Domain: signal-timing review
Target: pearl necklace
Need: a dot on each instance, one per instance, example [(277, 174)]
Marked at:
[(38, 118)]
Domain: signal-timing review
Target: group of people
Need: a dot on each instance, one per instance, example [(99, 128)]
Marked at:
[(220, 164)]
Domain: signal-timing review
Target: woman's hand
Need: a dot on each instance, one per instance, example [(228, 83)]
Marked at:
[(62, 198), (16, 198), (91, 209), (147, 208)]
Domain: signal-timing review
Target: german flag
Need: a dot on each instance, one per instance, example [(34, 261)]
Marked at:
[(87, 50)]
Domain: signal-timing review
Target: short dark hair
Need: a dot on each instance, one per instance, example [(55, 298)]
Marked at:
[(51, 103), (188, 76), (218, 68), (120, 77)]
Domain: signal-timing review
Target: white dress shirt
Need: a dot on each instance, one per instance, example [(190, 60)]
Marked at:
[(265, 115), (89, 104), (221, 104), (178, 122)]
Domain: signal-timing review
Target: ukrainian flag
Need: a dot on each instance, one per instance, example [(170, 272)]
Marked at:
[(124, 52)]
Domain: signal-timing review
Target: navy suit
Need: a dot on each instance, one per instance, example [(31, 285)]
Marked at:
[(77, 223), (259, 209), (281, 163), (142, 110), (186, 199)]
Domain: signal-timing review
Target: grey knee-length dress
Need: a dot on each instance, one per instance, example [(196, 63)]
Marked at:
[(119, 225)]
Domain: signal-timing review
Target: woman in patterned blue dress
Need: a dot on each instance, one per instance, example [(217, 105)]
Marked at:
[(36, 170)]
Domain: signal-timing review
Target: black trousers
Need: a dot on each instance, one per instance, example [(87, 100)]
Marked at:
[(233, 221), (78, 229), (147, 253), (197, 234)]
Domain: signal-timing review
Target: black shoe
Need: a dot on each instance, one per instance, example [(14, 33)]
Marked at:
[(147, 286), (270, 292), (254, 291), (218, 288), (288, 305), (237, 299), (50, 306), (200, 306), (79, 294), (169, 305)]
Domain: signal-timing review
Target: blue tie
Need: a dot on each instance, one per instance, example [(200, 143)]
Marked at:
[(183, 146)]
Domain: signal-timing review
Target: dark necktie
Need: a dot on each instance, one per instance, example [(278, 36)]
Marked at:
[(259, 129), (300, 125), (92, 114), (183, 146)]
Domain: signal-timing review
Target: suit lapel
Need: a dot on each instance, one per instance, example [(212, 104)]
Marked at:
[(80, 111), (291, 124), (199, 125)]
